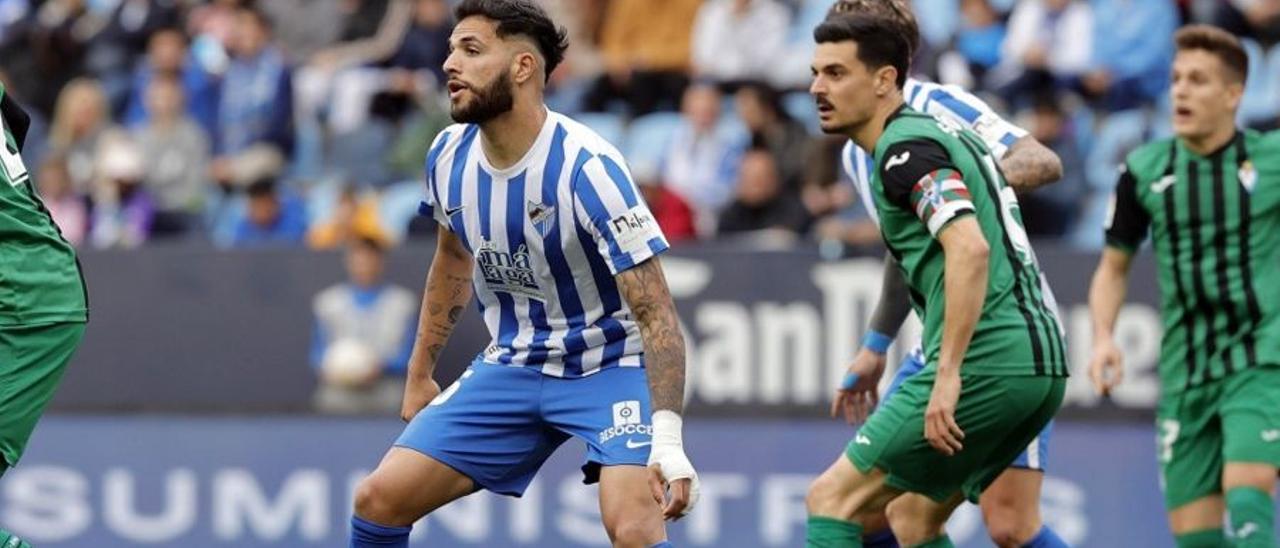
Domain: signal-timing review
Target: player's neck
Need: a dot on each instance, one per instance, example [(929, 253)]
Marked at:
[(1212, 142), (507, 138), (867, 135)]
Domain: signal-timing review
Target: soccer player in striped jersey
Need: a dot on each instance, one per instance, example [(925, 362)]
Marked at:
[(1210, 197), (540, 217), (996, 365), (1010, 506)]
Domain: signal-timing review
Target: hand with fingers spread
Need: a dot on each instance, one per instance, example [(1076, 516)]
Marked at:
[(857, 396), (1106, 367), (940, 427), (670, 471)]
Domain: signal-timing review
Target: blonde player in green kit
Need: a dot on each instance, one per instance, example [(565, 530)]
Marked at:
[(1210, 197), (43, 307)]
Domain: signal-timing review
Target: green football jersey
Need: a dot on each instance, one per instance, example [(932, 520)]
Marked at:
[(930, 172), (40, 280), (1215, 226)]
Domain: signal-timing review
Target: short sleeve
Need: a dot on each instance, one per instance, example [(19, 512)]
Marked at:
[(430, 206), (608, 204), (918, 176), (971, 112), (1127, 220)]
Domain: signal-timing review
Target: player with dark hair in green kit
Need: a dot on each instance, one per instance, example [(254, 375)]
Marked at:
[(1210, 197), (996, 364), (43, 307)]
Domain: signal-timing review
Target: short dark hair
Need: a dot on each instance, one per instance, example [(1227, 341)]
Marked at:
[(262, 188), (894, 10), (369, 243), (1218, 42), (880, 40), (525, 18)]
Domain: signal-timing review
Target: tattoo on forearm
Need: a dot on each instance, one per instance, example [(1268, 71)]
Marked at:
[(645, 289), (446, 294), (1029, 165)]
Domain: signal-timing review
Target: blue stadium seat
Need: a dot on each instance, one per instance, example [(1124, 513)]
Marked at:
[(1119, 133), (398, 204), (1088, 232), (647, 139), (609, 125)]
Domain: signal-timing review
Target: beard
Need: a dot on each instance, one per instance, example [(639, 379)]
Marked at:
[(490, 102)]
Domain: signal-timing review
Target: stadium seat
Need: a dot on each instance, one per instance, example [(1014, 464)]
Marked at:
[(1119, 133), (398, 204), (646, 141), (1088, 232), (800, 106), (609, 125)]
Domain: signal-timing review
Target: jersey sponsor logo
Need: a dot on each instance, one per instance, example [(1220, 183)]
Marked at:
[(862, 439), (451, 211), (895, 161), (1164, 183), (634, 227), (508, 271), (1246, 530), (541, 216), (1270, 435), (626, 412), (1248, 176), (633, 444)]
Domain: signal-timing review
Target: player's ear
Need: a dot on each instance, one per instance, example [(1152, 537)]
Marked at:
[(1235, 93), (886, 78), (524, 67)]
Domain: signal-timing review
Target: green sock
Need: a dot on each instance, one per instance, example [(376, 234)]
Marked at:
[(1206, 538), (824, 532), (9, 540), (1251, 513), (943, 541)]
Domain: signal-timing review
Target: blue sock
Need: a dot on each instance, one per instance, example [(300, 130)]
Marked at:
[(365, 534), (663, 544), (880, 539), (1046, 538)]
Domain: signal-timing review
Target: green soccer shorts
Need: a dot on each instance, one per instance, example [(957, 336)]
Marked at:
[(32, 359), (999, 416), (1234, 419)]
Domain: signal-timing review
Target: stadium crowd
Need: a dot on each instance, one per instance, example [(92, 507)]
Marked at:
[(305, 122)]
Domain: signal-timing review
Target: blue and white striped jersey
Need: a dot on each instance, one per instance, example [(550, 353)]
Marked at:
[(548, 235), (950, 102)]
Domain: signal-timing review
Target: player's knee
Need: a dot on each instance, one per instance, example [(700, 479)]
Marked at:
[(376, 503), (635, 531), (909, 524), (823, 495), (1009, 525)]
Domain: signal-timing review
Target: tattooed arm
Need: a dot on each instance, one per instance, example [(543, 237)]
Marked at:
[(1029, 165), (446, 297), (645, 289)]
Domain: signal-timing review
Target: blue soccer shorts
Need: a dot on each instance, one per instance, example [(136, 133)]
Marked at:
[(497, 424), (1035, 457)]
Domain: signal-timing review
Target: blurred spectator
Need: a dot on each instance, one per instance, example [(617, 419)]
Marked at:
[(1257, 19), (255, 116), (1132, 51), (697, 173), (1051, 211), (739, 40), (269, 218), (175, 153), (79, 121), (167, 55), (363, 336), (353, 219), (123, 210), (53, 52), (760, 109), (646, 47), (115, 49), (68, 209), (980, 37), (304, 27), (1049, 43), (583, 63), (760, 203)]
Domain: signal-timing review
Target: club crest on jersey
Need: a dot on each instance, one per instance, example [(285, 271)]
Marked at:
[(1248, 176), (542, 216), (511, 272)]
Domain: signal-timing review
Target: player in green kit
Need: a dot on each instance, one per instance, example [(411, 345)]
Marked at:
[(1210, 197), (43, 306), (996, 366)]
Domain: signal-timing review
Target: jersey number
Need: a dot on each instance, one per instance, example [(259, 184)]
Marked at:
[(12, 162), (1168, 435), (1012, 226)]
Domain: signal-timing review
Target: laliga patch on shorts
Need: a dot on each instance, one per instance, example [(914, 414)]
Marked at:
[(634, 228)]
